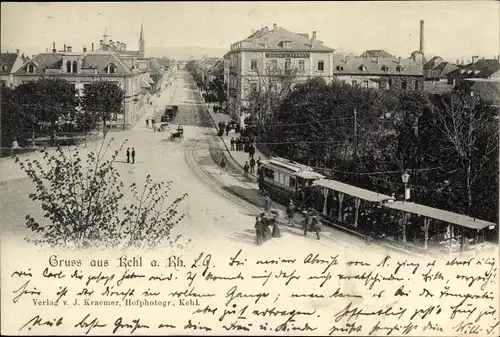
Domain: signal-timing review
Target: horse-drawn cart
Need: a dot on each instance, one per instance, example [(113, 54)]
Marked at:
[(179, 133)]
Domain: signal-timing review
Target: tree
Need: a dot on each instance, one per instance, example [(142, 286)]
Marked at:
[(102, 99), (46, 100), (469, 140), (10, 117), (265, 91), (83, 203)]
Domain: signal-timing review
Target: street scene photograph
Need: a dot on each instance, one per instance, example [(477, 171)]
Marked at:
[(349, 137)]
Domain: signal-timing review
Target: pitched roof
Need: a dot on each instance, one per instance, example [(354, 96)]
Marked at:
[(481, 69), (7, 60), (43, 61), (376, 53), (487, 91), (353, 65), (442, 69), (433, 62), (265, 39), (155, 65), (100, 61)]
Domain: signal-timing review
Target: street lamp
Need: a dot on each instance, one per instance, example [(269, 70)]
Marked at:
[(405, 177)]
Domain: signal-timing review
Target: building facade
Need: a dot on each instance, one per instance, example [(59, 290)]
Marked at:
[(9, 63), (82, 68), (379, 73), (266, 56)]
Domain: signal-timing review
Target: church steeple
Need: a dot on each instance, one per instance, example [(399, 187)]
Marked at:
[(142, 43)]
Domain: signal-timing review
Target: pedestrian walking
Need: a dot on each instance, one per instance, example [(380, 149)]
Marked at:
[(258, 163), (307, 220), (147, 123), (222, 165), (227, 129), (251, 151), (133, 156), (315, 226), (128, 155), (153, 125), (290, 211), (246, 168), (232, 143), (252, 165)]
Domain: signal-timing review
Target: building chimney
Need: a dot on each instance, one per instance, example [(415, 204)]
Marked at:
[(377, 59), (275, 26), (399, 60), (84, 49), (253, 31), (69, 48), (124, 47), (92, 46), (118, 45), (17, 51), (422, 36), (265, 42), (64, 49), (266, 29), (314, 35), (54, 47)]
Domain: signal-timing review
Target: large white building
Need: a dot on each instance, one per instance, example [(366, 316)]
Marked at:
[(267, 55)]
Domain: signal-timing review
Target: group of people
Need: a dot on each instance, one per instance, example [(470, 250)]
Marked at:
[(311, 220), (262, 223), (130, 154), (243, 144), (153, 123)]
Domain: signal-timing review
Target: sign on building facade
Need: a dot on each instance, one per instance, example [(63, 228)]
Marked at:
[(288, 55)]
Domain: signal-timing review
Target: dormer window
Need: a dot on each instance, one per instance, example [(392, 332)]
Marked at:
[(31, 68), (111, 69), (362, 68), (68, 67), (287, 44), (385, 68), (400, 68), (340, 68), (4, 68)]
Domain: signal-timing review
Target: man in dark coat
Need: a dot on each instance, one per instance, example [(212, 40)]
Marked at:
[(251, 151), (133, 156), (246, 168), (252, 165), (232, 143), (128, 155)]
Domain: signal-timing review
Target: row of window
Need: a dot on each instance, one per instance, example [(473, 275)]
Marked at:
[(280, 178), (72, 68), (388, 84), (288, 65)]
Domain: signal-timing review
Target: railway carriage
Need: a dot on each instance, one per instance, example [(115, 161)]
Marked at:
[(284, 180)]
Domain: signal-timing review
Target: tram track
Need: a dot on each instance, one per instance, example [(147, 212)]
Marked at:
[(218, 187)]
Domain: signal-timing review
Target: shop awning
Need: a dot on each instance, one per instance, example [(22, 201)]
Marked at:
[(439, 214)]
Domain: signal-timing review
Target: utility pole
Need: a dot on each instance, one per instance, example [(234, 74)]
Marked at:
[(355, 137)]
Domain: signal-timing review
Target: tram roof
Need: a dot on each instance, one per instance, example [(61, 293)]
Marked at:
[(281, 163), (439, 214), (353, 190), (310, 175)]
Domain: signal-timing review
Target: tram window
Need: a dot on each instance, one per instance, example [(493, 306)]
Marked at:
[(287, 180), (282, 179), (277, 177), (291, 182), (269, 174)]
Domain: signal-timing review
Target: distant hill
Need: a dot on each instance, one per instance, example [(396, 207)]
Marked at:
[(185, 53)]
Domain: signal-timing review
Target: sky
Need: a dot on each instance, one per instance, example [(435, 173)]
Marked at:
[(452, 28)]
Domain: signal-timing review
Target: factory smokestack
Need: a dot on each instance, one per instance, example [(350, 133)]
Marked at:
[(422, 36)]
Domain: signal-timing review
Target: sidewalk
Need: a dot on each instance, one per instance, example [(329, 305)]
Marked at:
[(238, 157)]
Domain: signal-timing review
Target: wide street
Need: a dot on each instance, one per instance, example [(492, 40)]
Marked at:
[(214, 217)]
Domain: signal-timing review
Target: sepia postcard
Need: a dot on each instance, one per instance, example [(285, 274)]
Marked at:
[(250, 168)]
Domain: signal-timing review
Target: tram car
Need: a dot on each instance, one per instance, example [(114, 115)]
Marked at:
[(285, 180)]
